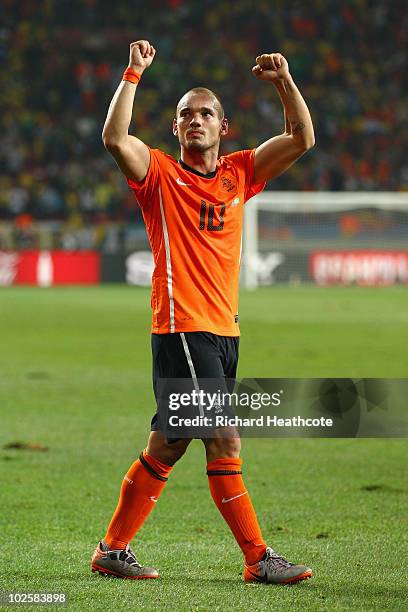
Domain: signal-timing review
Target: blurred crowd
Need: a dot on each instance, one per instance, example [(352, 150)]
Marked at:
[(62, 61)]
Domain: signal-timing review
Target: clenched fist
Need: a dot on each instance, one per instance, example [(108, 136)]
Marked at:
[(141, 55), (270, 67)]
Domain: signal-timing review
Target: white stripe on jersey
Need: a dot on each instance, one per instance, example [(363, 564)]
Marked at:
[(168, 265)]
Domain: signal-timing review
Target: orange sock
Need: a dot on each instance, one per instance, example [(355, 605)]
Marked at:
[(140, 491), (233, 501)]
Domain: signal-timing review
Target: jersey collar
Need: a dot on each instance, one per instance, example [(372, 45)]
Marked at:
[(210, 175)]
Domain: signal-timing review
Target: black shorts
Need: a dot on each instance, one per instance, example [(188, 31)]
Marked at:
[(193, 355)]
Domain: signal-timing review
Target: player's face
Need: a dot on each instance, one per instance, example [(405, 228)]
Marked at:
[(198, 124)]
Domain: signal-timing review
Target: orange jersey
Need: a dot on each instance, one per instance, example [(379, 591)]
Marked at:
[(194, 226)]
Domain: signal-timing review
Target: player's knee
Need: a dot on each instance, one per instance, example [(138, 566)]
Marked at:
[(166, 452), (222, 447), (174, 451)]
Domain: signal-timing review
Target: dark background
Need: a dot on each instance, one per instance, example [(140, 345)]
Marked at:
[(62, 61)]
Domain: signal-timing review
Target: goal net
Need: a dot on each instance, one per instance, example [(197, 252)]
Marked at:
[(326, 238)]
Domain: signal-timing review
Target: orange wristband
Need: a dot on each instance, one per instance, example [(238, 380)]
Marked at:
[(131, 75)]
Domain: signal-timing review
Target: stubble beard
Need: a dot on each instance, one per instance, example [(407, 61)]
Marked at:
[(198, 146)]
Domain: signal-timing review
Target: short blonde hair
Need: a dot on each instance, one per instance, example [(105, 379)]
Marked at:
[(204, 90)]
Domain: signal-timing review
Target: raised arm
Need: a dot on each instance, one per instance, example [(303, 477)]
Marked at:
[(130, 153), (278, 153)]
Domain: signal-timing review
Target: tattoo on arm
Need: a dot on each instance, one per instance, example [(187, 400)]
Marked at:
[(298, 127)]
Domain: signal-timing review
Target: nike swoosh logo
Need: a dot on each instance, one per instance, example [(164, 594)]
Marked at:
[(180, 182), (154, 499), (258, 577), (225, 501)]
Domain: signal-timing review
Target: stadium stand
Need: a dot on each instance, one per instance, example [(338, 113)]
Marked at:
[(63, 60)]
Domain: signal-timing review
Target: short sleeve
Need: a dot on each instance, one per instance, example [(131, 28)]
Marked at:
[(244, 162), (144, 190)]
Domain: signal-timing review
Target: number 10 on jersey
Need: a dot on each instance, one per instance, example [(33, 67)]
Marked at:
[(210, 223)]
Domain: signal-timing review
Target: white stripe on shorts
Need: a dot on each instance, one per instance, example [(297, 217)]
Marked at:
[(192, 369)]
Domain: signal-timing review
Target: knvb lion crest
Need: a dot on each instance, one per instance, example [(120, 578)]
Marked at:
[(228, 183)]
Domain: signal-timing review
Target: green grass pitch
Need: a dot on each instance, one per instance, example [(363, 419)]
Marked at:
[(75, 371)]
